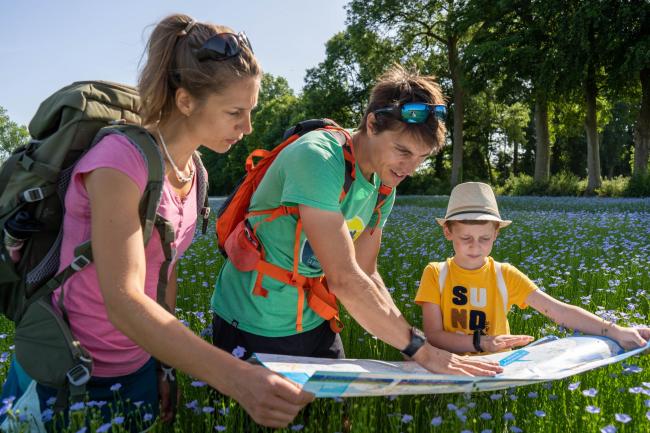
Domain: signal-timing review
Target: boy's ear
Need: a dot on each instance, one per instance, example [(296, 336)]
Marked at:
[(446, 232)]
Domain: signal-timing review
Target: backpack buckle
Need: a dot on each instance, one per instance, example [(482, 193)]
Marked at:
[(78, 375), (79, 263), (33, 194), (205, 212)]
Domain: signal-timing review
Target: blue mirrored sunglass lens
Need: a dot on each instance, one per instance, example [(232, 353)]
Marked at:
[(414, 115), (440, 111)]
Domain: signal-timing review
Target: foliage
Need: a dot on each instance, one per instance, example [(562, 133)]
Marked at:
[(12, 135), (639, 186)]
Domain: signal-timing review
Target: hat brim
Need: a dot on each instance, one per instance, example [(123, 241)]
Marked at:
[(475, 217)]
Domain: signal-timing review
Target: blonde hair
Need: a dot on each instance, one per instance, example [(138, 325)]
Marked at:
[(397, 86), (171, 64)]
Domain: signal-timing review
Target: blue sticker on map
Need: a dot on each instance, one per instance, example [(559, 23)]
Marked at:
[(514, 357)]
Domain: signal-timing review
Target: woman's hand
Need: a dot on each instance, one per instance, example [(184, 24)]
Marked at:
[(270, 399), (442, 362), (498, 343)]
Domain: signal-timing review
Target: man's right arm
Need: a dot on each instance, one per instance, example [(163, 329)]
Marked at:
[(378, 314)]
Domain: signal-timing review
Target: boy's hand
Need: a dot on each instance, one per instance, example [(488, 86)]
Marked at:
[(631, 338), (497, 343)]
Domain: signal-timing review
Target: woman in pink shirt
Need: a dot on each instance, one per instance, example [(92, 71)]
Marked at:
[(198, 87)]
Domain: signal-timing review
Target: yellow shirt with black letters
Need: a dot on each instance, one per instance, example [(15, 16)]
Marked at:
[(471, 299)]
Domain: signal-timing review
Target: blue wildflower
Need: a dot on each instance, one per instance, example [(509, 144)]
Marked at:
[(46, 415), (540, 413), (592, 409), (591, 392), (198, 384), (297, 427), (239, 352), (636, 390), (508, 416), (485, 416), (451, 406), (118, 420), (220, 428), (207, 409), (515, 429), (436, 421), (487, 430), (608, 429), (496, 397), (50, 401), (138, 403), (103, 428), (406, 418), (116, 387), (147, 417), (83, 430), (532, 394), (623, 417), (77, 406), (573, 386)]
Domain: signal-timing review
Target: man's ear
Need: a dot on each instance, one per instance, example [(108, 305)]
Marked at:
[(371, 123), (185, 103)]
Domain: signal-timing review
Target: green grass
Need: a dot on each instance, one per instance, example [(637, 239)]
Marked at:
[(591, 252)]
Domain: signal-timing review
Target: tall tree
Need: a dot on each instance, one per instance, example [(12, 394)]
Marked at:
[(512, 47), (12, 135), (425, 28), (630, 63)]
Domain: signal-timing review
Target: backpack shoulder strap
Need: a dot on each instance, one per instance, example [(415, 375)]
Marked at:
[(201, 192), (443, 269), (501, 284)]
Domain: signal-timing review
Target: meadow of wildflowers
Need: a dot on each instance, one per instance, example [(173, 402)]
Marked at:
[(590, 252)]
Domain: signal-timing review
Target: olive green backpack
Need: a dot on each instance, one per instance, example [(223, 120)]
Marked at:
[(33, 183)]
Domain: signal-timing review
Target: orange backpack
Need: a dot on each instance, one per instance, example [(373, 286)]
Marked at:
[(238, 241)]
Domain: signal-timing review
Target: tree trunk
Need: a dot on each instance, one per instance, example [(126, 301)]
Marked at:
[(543, 151), (515, 158), (593, 151), (642, 129), (457, 155)]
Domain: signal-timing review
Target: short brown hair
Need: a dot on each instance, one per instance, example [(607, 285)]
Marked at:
[(172, 64), (398, 86)]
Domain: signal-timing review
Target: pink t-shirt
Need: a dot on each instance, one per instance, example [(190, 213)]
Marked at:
[(114, 354)]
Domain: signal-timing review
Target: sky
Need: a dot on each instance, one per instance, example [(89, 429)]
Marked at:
[(49, 44)]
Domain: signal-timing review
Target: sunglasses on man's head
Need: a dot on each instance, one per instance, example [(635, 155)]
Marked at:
[(223, 46), (416, 112)]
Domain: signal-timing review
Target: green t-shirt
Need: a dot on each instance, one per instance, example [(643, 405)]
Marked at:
[(311, 172)]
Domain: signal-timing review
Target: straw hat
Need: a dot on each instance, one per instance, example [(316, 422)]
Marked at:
[(473, 201)]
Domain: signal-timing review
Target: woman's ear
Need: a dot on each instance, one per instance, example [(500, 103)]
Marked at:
[(185, 103)]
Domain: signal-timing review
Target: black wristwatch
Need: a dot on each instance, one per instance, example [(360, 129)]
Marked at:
[(477, 340), (417, 341)]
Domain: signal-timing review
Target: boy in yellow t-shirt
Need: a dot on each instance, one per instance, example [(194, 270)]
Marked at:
[(465, 300)]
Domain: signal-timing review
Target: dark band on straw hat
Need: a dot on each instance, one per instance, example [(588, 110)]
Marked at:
[(473, 211)]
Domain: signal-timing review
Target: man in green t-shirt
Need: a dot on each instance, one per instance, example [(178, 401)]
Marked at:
[(401, 127)]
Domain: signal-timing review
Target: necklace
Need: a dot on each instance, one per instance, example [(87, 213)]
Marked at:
[(179, 174)]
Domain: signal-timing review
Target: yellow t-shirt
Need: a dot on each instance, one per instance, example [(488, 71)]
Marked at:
[(471, 299)]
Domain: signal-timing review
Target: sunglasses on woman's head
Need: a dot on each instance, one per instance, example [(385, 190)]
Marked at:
[(416, 112), (223, 46)]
